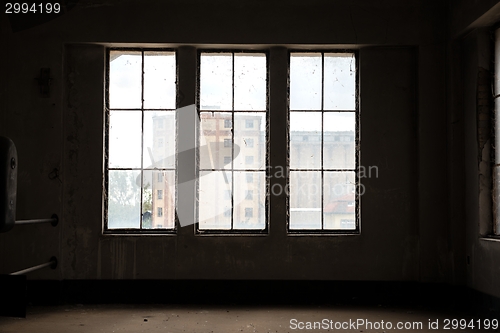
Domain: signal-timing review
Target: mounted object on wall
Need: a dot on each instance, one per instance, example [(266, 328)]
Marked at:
[(8, 183)]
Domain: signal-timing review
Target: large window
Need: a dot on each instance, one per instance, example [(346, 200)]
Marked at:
[(233, 113), (323, 142), (141, 131), (233, 187)]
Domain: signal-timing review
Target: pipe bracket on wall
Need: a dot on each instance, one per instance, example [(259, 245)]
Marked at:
[(8, 183)]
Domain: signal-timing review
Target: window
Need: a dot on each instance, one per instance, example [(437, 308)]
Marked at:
[(248, 142), (233, 108), (233, 183), (141, 101), (249, 212), (249, 195), (323, 105)]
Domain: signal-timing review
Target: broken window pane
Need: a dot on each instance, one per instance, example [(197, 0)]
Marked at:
[(125, 77), (125, 139)]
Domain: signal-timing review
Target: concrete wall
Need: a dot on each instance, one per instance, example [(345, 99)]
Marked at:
[(405, 224), (470, 105)]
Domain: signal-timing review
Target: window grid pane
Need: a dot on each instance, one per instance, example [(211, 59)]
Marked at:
[(323, 142), (233, 141), (141, 183)]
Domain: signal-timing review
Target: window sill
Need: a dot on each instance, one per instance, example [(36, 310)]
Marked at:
[(490, 238)]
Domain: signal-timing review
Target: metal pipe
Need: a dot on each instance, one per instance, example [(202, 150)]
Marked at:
[(52, 263), (54, 220)]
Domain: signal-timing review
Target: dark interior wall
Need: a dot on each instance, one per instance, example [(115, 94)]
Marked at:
[(471, 62), (405, 229)]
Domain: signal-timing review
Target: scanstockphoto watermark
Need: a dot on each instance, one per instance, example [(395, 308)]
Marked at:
[(335, 183)]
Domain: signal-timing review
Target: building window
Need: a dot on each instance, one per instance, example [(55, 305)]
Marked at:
[(249, 195), (160, 194), (248, 212), (233, 89), (160, 212), (248, 142), (323, 105), (141, 98)]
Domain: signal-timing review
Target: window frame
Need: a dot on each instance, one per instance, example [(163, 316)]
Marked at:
[(107, 110), (235, 232), (357, 153)]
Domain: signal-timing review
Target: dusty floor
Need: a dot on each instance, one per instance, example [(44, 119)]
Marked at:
[(222, 319)]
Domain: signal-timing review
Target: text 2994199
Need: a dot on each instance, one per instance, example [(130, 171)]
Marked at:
[(32, 8)]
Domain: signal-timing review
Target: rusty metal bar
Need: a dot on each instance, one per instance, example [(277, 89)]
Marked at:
[(52, 264), (54, 220)]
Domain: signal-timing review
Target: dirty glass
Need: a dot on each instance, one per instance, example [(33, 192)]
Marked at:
[(153, 182), (159, 80), (340, 81), (250, 81), (305, 140), (339, 140), (323, 141), (125, 139), (249, 197), (232, 140), (305, 81), (339, 201), (305, 200), (125, 76), (216, 81), (214, 197), (140, 154)]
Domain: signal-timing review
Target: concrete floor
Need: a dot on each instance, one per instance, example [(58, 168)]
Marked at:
[(221, 319)]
